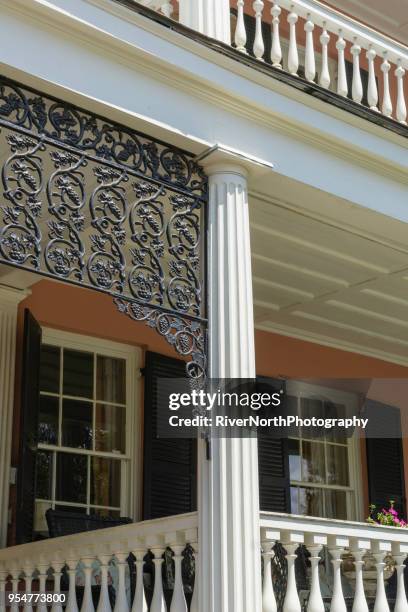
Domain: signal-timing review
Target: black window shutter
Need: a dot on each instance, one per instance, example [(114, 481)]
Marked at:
[(170, 465), (30, 400), (273, 461), (385, 456)]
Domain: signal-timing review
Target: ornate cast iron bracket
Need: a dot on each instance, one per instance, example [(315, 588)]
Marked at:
[(95, 204)]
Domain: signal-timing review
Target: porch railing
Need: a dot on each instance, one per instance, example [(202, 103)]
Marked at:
[(149, 562), (290, 543)]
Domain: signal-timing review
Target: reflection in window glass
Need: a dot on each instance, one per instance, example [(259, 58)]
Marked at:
[(337, 465), (336, 504), (110, 428), (50, 369), (105, 482), (48, 420), (71, 478), (294, 459), (311, 501), (44, 475), (111, 380), (313, 462), (77, 424), (78, 373)]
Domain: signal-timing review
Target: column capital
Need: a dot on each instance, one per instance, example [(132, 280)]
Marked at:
[(220, 159)]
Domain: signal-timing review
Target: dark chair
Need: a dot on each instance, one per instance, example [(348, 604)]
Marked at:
[(63, 523)]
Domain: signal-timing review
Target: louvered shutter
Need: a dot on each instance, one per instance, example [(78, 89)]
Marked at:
[(385, 456), (170, 465), (30, 400), (273, 461)]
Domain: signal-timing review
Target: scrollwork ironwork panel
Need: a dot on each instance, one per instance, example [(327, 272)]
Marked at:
[(98, 205)]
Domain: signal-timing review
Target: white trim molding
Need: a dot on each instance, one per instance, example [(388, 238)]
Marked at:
[(9, 301)]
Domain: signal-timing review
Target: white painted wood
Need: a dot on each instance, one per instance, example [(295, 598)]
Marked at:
[(228, 503), (121, 603), (240, 30), (167, 9), (195, 600), (15, 579), (72, 562), (57, 566), (293, 55), (291, 602), (386, 107), (9, 300), (178, 601), (139, 601), (381, 603), (372, 89), (401, 603), (276, 49), (310, 61), (104, 603), (87, 602), (259, 46), (3, 581), (360, 602), (342, 85), (158, 603), (357, 84), (315, 602), (325, 79), (210, 17), (401, 110), (268, 594), (338, 603), (42, 579), (29, 568)]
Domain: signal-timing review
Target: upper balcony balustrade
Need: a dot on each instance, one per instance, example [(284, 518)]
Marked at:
[(315, 48)]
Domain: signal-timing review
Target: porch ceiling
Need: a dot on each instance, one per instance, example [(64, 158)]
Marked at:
[(319, 279)]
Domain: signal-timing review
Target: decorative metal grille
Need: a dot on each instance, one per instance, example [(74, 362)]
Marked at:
[(99, 205)]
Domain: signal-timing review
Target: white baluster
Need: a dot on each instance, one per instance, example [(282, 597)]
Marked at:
[(293, 56), (401, 104), (121, 603), (324, 80), (342, 86), (268, 593), (158, 604), (360, 602), (310, 62), (42, 579), (337, 603), (259, 47), (276, 49), (291, 602), (194, 601), (357, 84), (386, 107), (104, 603), (178, 602), (139, 601), (15, 579), (315, 603), (87, 602), (167, 9), (372, 89), (72, 604), (401, 603), (57, 566), (3, 580), (28, 581), (240, 30), (381, 603)]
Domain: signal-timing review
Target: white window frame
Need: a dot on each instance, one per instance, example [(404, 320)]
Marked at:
[(131, 480), (355, 505)]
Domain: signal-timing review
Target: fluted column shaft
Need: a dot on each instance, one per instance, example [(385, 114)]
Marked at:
[(9, 300), (230, 565), (210, 17)]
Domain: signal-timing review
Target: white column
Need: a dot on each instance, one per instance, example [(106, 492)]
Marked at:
[(401, 603), (210, 17), (268, 594), (139, 601), (9, 300), (104, 603), (228, 504)]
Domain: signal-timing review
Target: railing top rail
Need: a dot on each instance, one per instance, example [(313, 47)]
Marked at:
[(331, 527), (162, 531), (351, 29)]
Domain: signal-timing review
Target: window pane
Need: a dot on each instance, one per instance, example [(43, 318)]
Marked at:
[(48, 420), (44, 475), (111, 380), (310, 408), (294, 500), (71, 478), (104, 512), (40, 522), (337, 468), (78, 373), (335, 411), (75, 509), (110, 428), (311, 501), (336, 504), (49, 368), (294, 460), (77, 424), (313, 463), (105, 482)]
